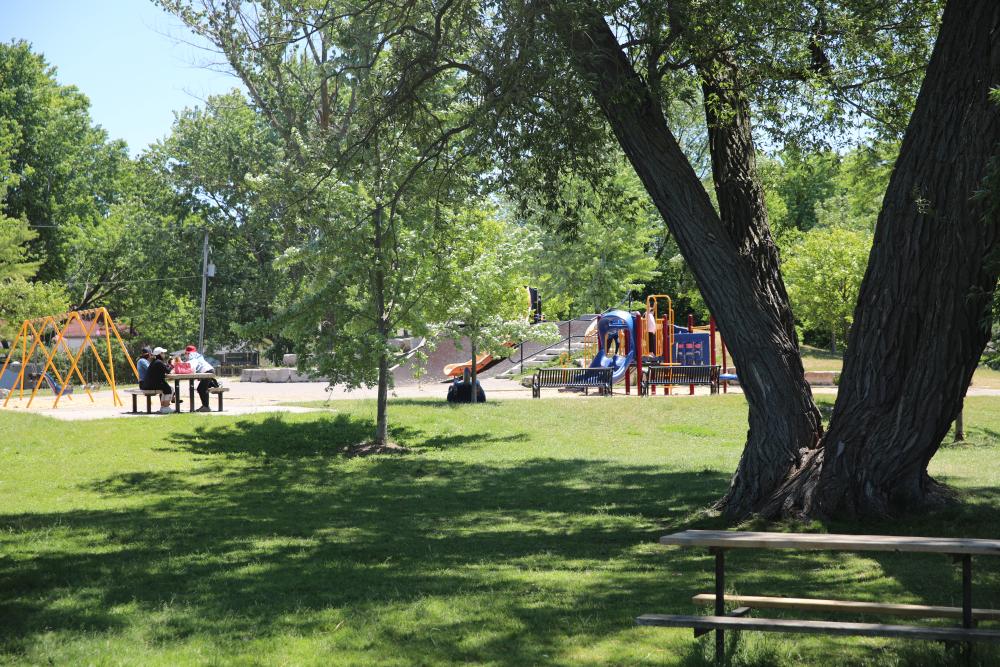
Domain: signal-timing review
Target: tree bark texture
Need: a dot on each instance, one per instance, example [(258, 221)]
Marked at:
[(920, 325), (725, 261), (743, 212)]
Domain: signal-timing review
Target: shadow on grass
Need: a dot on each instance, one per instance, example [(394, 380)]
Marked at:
[(276, 438), (278, 536)]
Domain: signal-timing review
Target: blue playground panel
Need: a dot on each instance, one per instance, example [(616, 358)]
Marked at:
[(692, 349)]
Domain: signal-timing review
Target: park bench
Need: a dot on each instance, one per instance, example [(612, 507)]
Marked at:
[(667, 376), (148, 393), (719, 541), (219, 391), (585, 378)]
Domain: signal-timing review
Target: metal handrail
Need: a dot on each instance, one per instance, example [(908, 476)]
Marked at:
[(568, 340), (565, 340)]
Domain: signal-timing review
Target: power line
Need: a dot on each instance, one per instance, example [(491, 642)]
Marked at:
[(130, 282)]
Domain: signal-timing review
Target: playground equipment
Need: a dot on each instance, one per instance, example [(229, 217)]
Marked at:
[(456, 370), (653, 339), (612, 327), (46, 337), (484, 361)]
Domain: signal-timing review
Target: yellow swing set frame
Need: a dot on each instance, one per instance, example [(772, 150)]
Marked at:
[(32, 337)]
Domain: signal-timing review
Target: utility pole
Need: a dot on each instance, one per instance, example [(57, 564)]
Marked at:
[(204, 290)]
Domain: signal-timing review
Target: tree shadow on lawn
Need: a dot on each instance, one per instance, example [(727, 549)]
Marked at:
[(533, 557), (260, 550), (274, 437)]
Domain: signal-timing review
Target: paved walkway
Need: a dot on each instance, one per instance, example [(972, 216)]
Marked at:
[(256, 397)]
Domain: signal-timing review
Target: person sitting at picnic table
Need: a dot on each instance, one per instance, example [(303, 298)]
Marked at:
[(200, 365), (142, 365), (156, 379)]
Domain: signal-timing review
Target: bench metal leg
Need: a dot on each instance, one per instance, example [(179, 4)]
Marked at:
[(967, 603), (149, 404), (220, 401), (135, 405)]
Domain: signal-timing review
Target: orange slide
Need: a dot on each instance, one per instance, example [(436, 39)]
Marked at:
[(454, 370)]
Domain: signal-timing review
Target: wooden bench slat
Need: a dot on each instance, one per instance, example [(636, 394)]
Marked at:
[(831, 542), (818, 627), (143, 392), (812, 604), (218, 390)]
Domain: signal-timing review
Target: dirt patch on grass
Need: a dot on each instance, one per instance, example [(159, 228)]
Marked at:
[(369, 448)]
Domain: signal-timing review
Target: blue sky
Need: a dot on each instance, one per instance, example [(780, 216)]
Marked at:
[(135, 62)]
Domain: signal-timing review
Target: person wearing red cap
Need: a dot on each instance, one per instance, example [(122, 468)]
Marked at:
[(200, 365)]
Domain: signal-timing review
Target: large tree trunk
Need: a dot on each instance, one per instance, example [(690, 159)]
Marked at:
[(725, 262), (743, 211), (920, 325)]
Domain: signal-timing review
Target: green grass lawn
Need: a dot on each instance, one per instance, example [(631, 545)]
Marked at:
[(515, 533), (815, 359)]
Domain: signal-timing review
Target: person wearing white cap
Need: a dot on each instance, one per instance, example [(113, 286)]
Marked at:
[(156, 379)]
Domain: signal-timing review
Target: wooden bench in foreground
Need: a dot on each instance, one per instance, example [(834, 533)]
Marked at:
[(585, 378), (673, 376), (719, 541)]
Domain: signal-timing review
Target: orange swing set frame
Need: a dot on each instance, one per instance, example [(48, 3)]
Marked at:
[(31, 339)]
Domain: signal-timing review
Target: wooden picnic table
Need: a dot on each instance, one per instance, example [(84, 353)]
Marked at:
[(190, 377), (719, 541)]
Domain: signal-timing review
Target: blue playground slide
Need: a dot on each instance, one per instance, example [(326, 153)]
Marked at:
[(614, 321), (9, 379)]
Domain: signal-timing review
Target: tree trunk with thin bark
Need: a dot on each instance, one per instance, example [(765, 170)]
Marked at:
[(474, 373), (744, 293), (382, 400), (920, 325)]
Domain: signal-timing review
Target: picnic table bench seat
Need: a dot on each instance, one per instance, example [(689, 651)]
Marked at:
[(219, 391), (671, 375), (718, 623), (585, 378), (148, 393)]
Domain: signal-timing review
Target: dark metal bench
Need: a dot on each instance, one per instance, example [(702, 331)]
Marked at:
[(585, 378), (669, 376)]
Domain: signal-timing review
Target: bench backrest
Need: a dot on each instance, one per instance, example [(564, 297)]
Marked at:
[(682, 374), (570, 377)]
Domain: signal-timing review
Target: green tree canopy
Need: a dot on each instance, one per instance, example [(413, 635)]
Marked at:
[(824, 272)]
